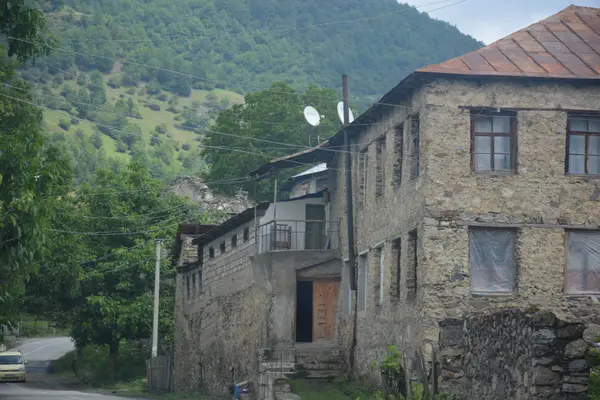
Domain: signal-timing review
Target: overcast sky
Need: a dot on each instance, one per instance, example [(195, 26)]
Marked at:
[(490, 20)]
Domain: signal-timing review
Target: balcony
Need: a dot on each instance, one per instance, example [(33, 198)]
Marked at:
[(298, 235)]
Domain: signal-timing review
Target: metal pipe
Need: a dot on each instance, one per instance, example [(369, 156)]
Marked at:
[(348, 179)]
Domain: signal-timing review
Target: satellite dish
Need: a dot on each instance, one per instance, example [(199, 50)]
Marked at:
[(312, 116), (340, 109)]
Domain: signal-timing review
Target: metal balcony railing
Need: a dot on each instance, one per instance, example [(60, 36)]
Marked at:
[(298, 235)]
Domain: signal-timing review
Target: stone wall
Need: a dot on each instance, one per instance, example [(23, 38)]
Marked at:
[(198, 192), (380, 219), (513, 354), (539, 201), (222, 325)]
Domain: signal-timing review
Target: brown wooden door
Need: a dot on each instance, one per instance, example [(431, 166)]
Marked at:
[(325, 295)]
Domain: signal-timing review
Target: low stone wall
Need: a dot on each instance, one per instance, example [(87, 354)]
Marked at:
[(513, 354)]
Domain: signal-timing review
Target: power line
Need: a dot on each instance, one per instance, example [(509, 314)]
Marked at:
[(209, 80)]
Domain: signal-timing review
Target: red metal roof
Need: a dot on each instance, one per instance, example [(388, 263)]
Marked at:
[(565, 45)]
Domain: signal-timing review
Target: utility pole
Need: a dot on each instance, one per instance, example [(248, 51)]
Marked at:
[(348, 179), (156, 298), (350, 223)]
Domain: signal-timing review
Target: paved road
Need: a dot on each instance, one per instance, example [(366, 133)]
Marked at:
[(38, 353)]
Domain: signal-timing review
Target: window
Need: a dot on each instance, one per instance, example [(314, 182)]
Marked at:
[(194, 284), (492, 258), (583, 263), (234, 241), (361, 295), (211, 252), (494, 142), (222, 247), (246, 234), (411, 272), (381, 274), (187, 284), (398, 154), (200, 256), (349, 291), (380, 157), (415, 142), (200, 281), (363, 175), (583, 146), (321, 184), (396, 271)]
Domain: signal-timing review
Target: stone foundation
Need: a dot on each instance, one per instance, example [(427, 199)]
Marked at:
[(512, 354)]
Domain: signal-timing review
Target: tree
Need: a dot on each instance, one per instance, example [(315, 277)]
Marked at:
[(113, 297), (32, 171), (273, 115)]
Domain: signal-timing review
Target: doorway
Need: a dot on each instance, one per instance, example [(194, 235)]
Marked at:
[(314, 237), (316, 305), (304, 311)]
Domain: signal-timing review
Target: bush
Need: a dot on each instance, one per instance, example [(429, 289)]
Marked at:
[(173, 109), (131, 91), (64, 124), (186, 146), (162, 97), (153, 107), (74, 121), (121, 147)]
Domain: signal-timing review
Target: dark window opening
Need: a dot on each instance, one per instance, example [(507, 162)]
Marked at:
[(304, 311), (246, 234), (234, 241), (363, 176), (380, 158), (398, 154), (222, 247), (187, 284), (397, 268), (412, 271), (583, 145), (415, 143), (200, 281), (194, 284), (200, 255), (211, 252), (494, 141)]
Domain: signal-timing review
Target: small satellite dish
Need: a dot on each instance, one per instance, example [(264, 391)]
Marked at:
[(340, 109), (312, 116)]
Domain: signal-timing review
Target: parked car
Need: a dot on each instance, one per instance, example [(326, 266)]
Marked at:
[(12, 367)]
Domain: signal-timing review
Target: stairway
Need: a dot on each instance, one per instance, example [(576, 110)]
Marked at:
[(304, 361)]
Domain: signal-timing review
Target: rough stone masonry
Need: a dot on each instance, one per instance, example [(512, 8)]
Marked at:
[(514, 354)]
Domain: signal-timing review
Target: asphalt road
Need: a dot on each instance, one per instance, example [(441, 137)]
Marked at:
[(38, 353)]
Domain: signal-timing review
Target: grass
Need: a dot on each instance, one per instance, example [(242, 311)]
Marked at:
[(341, 389), (150, 119), (129, 379)]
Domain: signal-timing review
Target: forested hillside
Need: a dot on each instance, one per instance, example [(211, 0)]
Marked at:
[(244, 45), (146, 79)]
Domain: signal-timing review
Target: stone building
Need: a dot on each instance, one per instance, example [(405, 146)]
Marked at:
[(475, 188), (252, 288)]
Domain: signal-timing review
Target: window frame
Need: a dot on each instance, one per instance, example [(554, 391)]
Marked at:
[(515, 265), (566, 270), (412, 285), (246, 234), (586, 135), (223, 247), (211, 252), (414, 136), (363, 271), (398, 154), (234, 241), (513, 136), (397, 271), (380, 163), (363, 175)]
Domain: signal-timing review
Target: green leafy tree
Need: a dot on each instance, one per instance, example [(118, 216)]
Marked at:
[(32, 171), (274, 115)]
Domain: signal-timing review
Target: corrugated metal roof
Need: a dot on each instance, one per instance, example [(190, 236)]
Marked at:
[(314, 170), (565, 45)]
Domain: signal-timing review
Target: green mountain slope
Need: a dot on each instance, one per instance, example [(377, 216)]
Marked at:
[(244, 45), (144, 79)]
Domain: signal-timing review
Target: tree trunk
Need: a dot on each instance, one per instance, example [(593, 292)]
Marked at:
[(113, 353)]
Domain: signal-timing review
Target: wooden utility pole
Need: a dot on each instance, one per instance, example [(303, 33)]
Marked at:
[(156, 302)]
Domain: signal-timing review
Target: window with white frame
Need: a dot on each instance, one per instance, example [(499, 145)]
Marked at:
[(361, 295), (492, 259), (583, 263)]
